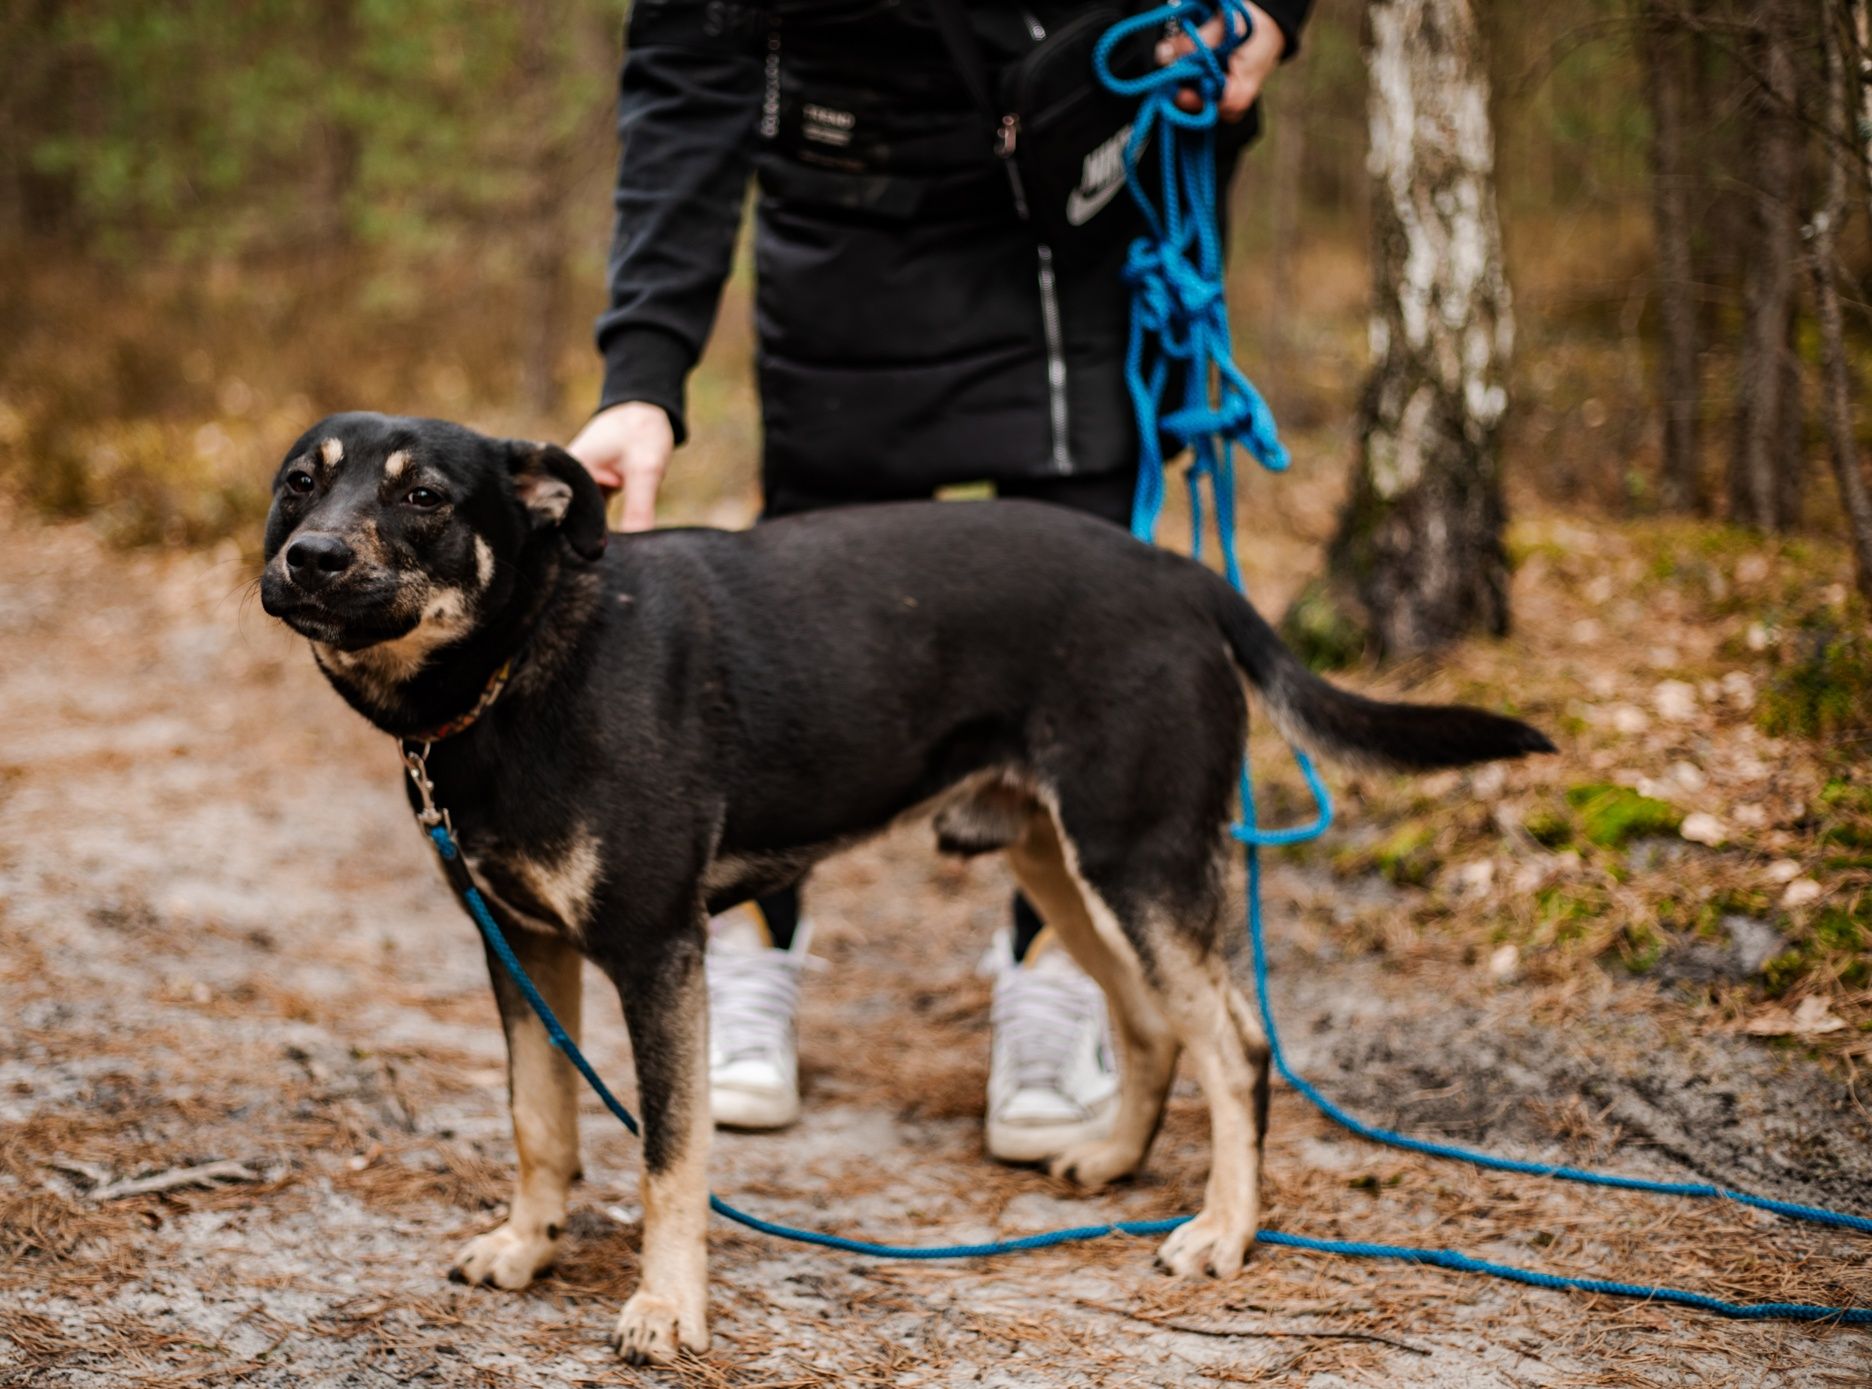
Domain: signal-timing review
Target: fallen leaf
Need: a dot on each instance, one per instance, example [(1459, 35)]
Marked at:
[(1675, 700), (1813, 1018), (1750, 815), (1800, 892), (1629, 719), (1505, 963), (1686, 774), (1739, 688), (1700, 827)]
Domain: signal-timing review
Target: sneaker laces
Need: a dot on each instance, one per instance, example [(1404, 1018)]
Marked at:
[(752, 999), (1038, 1016)]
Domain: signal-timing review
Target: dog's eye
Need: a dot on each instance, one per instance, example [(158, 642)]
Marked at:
[(300, 481), (424, 498)]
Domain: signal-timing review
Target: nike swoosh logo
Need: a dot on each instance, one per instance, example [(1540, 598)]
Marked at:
[(1082, 207)]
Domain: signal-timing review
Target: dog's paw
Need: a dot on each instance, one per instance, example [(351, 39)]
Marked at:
[(1096, 1164), (508, 1257), (1210, 1245), (651, 1329)]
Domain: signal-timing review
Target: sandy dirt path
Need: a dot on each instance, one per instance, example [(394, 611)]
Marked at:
[(221, 938)]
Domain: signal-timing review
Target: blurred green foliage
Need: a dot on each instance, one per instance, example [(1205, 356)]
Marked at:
[(206, 128)]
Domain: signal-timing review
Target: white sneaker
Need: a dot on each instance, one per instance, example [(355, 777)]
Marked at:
[(753, 994), (1052, 1079)]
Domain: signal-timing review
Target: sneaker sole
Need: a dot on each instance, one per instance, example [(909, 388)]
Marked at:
[(1028, 1143), (737, 1109)]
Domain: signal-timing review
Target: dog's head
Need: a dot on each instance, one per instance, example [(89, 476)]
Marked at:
[(408, 533)]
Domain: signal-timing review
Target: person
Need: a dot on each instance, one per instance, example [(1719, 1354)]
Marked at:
[(912, 334)]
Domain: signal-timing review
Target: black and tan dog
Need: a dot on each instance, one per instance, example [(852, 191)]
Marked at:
[(696, 716)]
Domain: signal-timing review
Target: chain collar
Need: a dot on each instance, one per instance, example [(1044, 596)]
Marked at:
[(416, 763), (415, 749)]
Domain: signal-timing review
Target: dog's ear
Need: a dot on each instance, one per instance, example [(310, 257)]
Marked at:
[(555, 488)]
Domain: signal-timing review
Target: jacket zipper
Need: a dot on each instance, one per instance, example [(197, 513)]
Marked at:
[(1056, 361), (770, 73), (1059, 414)]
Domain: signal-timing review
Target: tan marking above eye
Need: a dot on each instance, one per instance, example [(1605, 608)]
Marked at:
[(332, 451), (394, 465)]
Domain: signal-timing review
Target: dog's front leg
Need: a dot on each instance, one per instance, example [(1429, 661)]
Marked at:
[(666, 1009), (542, 1091)]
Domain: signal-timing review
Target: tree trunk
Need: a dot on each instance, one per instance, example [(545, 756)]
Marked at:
[(1791, 426), (338, 153), (1665, 49), (1861, 135), (1754, 492), (1822, 243), (543, 234), (1420, 540)]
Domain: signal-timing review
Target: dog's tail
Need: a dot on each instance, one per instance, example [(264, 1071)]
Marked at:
[(1346, 727)]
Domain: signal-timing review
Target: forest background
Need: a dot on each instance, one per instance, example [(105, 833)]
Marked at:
[(220, 220)]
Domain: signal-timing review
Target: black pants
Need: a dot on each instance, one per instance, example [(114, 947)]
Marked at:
[(1107, 495)]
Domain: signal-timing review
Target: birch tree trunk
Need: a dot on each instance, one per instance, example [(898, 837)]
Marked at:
[(1420, 540), (1822, 243), (1862, 68), (1665, 51)]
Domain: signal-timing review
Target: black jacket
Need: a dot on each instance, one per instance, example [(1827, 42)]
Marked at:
[(905, 336)]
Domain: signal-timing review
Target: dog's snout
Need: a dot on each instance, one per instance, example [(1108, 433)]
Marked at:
[(315, 560)]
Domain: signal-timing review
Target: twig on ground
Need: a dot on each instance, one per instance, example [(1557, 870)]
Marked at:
[(203, 1174), (1246, 1333), (92, 1172)]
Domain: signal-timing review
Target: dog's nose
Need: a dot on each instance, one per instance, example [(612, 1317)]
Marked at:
[(315, 560)]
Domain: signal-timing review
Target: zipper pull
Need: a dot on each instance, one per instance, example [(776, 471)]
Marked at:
[(1007, 136)]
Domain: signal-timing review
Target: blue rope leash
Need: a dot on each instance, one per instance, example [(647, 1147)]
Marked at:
[(1451, 1259), (1180, 328)]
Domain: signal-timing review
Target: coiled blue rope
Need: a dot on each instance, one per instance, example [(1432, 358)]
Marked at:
[(1180, 327)]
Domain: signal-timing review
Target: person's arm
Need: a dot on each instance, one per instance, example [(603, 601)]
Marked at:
[(688, 99), (1274, 39), (1289, 16)]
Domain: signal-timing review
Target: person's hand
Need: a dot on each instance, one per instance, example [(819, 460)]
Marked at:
[(627, 448), (1248, 66)]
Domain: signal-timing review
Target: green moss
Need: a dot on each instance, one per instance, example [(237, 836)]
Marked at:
[(1406, 856), (1839, 792), (1640, 948), (1834, 928), (1566, 912), (1742, 901), (1836, 947), (1322, 629), (1822, 687), (1549, 826), (1612, 816), (1846, 811), (1780, 973), (1848, 836)]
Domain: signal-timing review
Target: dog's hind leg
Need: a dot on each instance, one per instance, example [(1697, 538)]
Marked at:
[(666, 1008), (542, 1091), (1148, 1050)]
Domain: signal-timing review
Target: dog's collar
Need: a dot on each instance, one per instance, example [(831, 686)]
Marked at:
[(461, 723), (414, 747)]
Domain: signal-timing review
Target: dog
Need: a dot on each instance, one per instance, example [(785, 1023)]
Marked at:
[(631, 738)]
